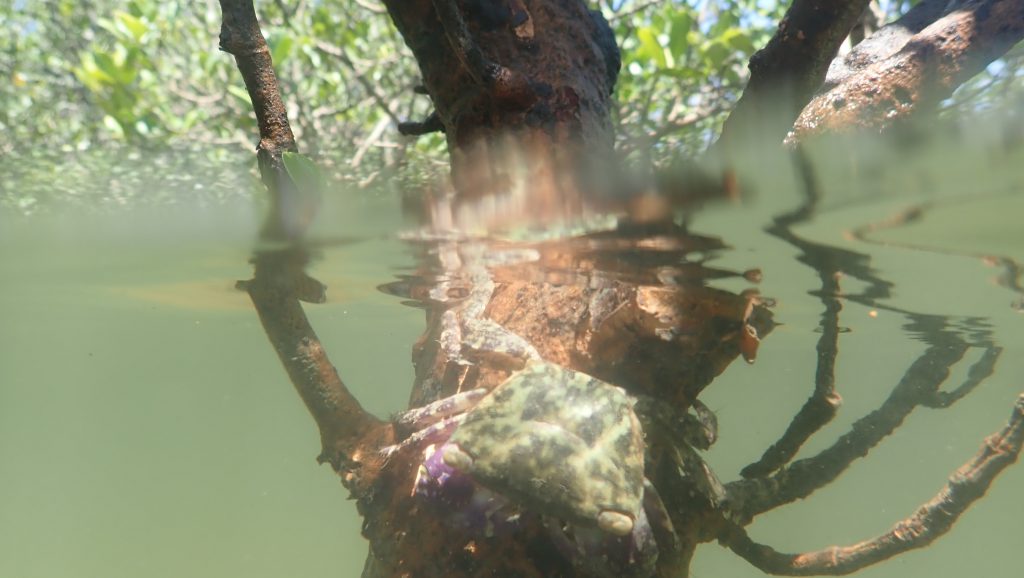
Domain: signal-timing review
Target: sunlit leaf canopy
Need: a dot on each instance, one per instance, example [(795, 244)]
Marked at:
[(90, 75)]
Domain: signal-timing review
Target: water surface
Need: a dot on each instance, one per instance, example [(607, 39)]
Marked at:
[(148, 429)]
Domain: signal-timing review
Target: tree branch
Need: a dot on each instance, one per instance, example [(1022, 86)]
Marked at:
[(349, 434), (240, 36), (360, 76), (786, 72), (911, 65), (823, 404), (933, 519), (748, 498)]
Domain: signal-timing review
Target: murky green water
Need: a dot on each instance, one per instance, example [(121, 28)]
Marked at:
[(148, 429)]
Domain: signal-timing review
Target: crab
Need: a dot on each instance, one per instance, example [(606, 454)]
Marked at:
[(554, 439), (548, 441)]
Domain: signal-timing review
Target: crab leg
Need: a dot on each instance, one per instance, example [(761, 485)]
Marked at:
[(439, 430)]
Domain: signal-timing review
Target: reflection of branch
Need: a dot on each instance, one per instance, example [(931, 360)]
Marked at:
[(930, 521), (977, 373), (821, 407), (919, 384), (276, 288), (1012, 270)]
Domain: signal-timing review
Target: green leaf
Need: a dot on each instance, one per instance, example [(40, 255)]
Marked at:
[(135, 8), (303, 172), (109, 64), (90, 75), (134, 26), (650, 48), (678, 37), (715, 53), (738, 40), (280, 48), (310, 52), (113, 126)]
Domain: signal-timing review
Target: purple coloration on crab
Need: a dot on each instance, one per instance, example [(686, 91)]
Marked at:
[(469, 505), (438, 481)]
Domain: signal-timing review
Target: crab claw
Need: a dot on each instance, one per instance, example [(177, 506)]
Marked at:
[(453, 455), (614, 522)]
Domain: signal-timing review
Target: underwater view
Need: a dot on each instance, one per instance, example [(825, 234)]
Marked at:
[(149, 430)]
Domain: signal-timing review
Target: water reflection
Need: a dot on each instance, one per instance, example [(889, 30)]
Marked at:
[(948, 341), (630, 304)]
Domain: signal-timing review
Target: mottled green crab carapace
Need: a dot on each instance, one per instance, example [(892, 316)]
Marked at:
[(559, 442)]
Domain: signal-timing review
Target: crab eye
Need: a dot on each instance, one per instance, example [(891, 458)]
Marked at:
[(615, 522)]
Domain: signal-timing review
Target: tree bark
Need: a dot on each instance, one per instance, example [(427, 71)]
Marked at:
[(786, 72), (908, 67), (513, 79), (904, 69), (349, 434)]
